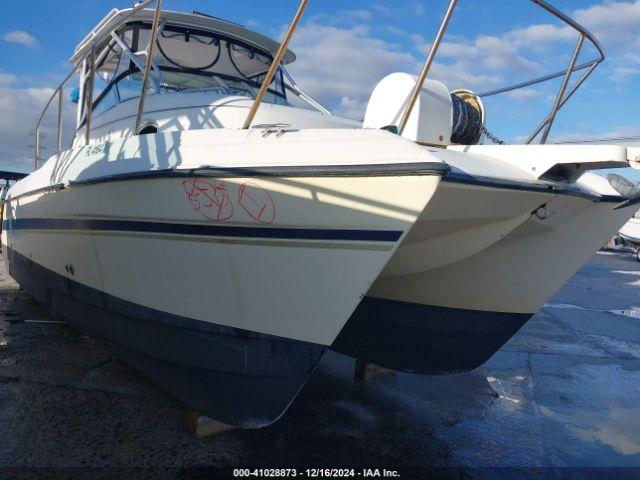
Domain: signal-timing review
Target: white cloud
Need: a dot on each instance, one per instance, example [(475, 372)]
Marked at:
[(536, 35), (389, 9), (500, 53), (341, 58), (7, 78), (21, 37), (524, 95), (612, 22), (254, 24), (624, 74), (510, 52), (622, 134), (20, 109), (352, 108), (617, 26), (340, 66), (343, 17)]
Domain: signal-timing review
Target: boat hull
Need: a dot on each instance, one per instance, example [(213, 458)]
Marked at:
[(425, 339), (243, 378), (453, 318), (222, 300)]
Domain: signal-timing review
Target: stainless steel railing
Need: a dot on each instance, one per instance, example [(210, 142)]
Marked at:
[(415, 93), (563, 95), (88, 98), (277, 60), (59, 92)]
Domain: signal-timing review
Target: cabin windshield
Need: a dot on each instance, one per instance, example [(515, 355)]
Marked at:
[(184, 60)]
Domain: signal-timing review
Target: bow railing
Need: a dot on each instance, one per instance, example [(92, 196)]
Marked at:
[(87, 65), (562, 97)]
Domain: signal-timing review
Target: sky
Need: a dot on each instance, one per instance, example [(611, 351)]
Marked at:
[(345, 48)]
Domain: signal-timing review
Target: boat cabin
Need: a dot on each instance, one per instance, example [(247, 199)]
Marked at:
[(206, 72)]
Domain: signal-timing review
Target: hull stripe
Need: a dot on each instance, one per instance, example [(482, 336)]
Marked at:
[(202, 230)]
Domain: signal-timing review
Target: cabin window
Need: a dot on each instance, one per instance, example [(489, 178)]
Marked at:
[(107, 101), (223, 60), (129, 86), (187, 60)]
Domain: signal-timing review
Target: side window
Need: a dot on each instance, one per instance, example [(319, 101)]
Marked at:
[(109, 100), (104, 95), (130, 86)]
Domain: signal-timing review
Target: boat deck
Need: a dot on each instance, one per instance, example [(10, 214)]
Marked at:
[(563, 392)]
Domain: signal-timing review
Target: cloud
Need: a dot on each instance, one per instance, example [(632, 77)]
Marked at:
[(540, 34), (513, 51), (352, 108), (486, 56), (389, 9), (340, 66), (524, 95), (20, 109), (343, 17), (22, 38), (624, 74), (255, 24), (612, 22), (500, 53), (7, 78), (625, 134), (616, 25), (342, 57)]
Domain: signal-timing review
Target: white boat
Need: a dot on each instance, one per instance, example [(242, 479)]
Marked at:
[(220, 239), (629, 235), (630, 232)]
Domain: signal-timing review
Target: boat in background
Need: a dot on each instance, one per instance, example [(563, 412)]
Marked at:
[(220, 238), (629, 235)]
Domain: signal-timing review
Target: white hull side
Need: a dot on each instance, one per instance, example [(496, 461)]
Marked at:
[(459, 222), (631, 231), (302, 289), (519, 273)]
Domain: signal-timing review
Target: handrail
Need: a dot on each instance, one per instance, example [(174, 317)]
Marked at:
[(275, 64), (562, 97), (415, 93), (89, 95), (59, 91), (147, 67), (293, 87), (563, 89)]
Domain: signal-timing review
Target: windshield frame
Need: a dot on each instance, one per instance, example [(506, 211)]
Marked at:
[(136, 26)]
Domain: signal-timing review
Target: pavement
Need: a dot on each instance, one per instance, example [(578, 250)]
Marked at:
[(563, 396)]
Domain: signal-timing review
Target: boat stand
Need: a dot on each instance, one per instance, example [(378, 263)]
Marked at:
[(201, 426)]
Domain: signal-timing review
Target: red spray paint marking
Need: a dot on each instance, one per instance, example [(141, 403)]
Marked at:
[(257, 202), (210, 198)]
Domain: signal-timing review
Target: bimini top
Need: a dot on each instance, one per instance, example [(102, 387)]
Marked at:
[(117, 18)]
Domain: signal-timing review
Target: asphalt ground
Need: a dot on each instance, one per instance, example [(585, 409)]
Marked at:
[(560, 400)]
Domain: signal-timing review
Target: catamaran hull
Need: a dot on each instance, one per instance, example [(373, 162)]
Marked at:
[(225, 301), (453, 318), (238, 376), (425, 339)]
